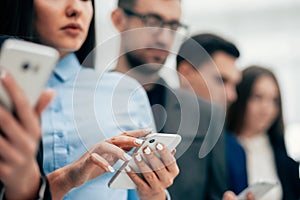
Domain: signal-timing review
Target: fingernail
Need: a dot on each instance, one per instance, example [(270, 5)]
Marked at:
[(148, 130), (2, 74), (139, 141), (96, 156), (138, 157), (147, 150), (159, 146), (111, 169), (50, 90), (173, 151), (127, 157), (127, 169)]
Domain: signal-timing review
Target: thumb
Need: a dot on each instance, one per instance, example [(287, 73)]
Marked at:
[(44, 100)]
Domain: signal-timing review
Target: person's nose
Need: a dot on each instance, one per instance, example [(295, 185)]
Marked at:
[(165, 36), (74, 8), (231, 95)]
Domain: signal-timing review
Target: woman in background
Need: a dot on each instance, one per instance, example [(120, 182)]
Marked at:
[(256, 120)]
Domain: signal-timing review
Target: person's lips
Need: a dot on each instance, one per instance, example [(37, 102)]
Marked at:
[(157, 51), (72, 29)]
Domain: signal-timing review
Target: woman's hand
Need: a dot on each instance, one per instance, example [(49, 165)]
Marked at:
[(19, 141), (100, 158), (97, 161), (158, 175)]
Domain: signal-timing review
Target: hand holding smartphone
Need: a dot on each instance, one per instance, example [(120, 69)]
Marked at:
[(258, 189), (121, 180), (31, 66)]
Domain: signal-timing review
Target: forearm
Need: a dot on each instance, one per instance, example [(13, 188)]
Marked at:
[(158, 197), (60, 183), (152, 195)]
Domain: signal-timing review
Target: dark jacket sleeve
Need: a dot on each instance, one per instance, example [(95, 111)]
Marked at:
[(47, 194), (287, 169)]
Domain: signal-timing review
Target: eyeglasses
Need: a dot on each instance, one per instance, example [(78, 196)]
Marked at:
[(154, 20)]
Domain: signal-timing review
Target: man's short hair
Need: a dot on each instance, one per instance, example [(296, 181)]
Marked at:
[(126, 3), (210, 43)]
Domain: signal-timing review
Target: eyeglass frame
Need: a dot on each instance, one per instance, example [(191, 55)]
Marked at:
[(163, 23)]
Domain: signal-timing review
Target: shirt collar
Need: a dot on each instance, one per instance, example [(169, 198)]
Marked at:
[(67, 67)]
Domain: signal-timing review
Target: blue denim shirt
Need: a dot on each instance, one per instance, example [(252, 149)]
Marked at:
[(90, 107)]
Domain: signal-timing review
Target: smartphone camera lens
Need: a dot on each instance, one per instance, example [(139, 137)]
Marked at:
[(152, 141), (25, 66)]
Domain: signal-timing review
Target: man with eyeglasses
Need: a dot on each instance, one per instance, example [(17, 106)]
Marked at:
[(154, 20), (148, 30)]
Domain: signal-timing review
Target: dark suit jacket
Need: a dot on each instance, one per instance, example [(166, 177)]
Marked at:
[(199, 178), (287, 170)]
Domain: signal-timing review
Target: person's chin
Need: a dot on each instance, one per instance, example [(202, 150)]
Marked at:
[(73, 43), (149, 69), (154, 68), (157, 60), (69, 48), (263, 126)]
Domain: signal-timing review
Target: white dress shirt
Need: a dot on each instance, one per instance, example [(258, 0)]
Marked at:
[(261, 163)]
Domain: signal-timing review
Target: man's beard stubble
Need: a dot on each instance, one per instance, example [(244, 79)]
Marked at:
[(138, 65)]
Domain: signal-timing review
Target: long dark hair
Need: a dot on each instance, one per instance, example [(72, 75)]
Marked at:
[(236, 113), (17, 19)]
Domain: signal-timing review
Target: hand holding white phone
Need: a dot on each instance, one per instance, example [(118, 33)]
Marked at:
[(31, 66), (258, 190), (21, 64), (121, 180)]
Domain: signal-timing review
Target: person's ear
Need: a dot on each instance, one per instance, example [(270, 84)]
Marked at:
[(185, 73), (119, 19), (185, 69)]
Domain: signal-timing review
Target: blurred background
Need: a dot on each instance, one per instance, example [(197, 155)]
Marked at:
[(266, 32)]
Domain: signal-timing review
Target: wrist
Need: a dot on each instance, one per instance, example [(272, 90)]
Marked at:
[(59, 183), (162, 196), (61, 178), (40, 194), (26, 187), (72, 175)]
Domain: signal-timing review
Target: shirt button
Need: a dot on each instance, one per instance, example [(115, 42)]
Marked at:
[(56, 110), (60, 134)]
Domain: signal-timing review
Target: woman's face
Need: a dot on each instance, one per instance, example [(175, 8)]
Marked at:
[(262, 107), (63, 24)]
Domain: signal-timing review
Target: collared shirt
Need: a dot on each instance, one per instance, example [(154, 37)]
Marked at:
[(88, 108)]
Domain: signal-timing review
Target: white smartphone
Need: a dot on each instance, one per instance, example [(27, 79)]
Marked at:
[(258, 189), (121, 180), (31, 66)]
